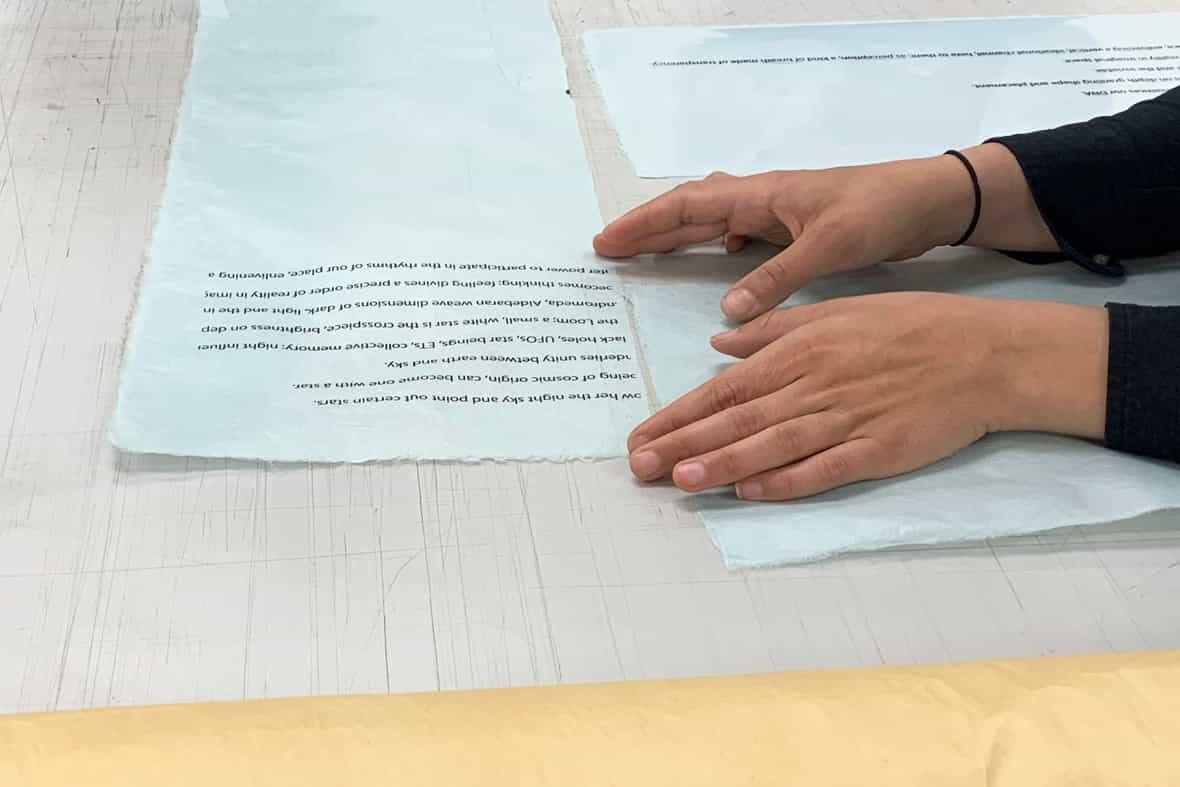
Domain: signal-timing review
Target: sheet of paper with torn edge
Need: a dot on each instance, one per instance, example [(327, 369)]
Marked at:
[(811, 96), (1100, 720), (1004, 485), (374, 244)]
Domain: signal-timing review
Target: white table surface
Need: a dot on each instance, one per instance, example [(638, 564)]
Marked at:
[(127, 579)]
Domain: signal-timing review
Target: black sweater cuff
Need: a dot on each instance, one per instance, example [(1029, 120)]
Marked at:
[(1142, 395), (1108, 188)]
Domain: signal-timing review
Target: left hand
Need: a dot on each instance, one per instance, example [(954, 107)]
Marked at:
[(873, 386)]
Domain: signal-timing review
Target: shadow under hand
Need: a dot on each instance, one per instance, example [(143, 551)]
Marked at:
[(990, 274), (708, 265), (963, 271)]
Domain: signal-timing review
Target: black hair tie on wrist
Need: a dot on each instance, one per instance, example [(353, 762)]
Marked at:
[(978, 196)]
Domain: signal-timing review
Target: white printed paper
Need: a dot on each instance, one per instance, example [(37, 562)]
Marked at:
[(374, 244), (688, 101)]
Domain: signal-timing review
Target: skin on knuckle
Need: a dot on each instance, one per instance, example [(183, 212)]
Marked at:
[(744, 421), (840, 421), (685, 193), (771, 277), (788, 440), (834, 469), (724, 393)]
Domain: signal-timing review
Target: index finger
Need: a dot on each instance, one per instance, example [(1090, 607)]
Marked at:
[(693, 203), (743, 382)]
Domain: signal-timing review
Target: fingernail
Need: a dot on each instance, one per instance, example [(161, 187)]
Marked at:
[(750, 490), (690, 474), (645, 464), (738, 303), (724, 336)]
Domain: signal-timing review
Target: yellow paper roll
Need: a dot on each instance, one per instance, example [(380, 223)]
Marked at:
[(1101, 720)]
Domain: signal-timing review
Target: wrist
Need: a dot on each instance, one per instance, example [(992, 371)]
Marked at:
[(1009, 216), (946, 199), (1052, 367)]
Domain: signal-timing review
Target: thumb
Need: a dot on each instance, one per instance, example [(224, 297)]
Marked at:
[(747, 339), (813, 254)]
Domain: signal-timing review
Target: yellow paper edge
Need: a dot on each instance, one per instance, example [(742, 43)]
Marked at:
[(1107, 719)]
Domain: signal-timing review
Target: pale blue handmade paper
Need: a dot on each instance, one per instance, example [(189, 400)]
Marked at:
[(687, 101), (344, 173), (1003, 485), (831, 111)]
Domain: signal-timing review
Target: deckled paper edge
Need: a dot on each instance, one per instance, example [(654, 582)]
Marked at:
[(738, 564), (218, 9), (132, 320), (448, 457)]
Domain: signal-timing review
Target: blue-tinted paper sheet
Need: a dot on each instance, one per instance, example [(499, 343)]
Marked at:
[(691, 101), (1004, 485), (374, 243), (687, 101)]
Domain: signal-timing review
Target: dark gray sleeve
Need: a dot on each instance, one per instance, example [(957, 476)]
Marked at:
[(1108, 188), (1143, 380)]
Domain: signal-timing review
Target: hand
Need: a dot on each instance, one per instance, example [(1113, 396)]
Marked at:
[(835, 219), (873, 386)]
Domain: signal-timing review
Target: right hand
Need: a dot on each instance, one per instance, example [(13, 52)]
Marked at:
[(829, 220)]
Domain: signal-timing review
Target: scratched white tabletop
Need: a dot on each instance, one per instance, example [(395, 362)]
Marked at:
[(144, 580)]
